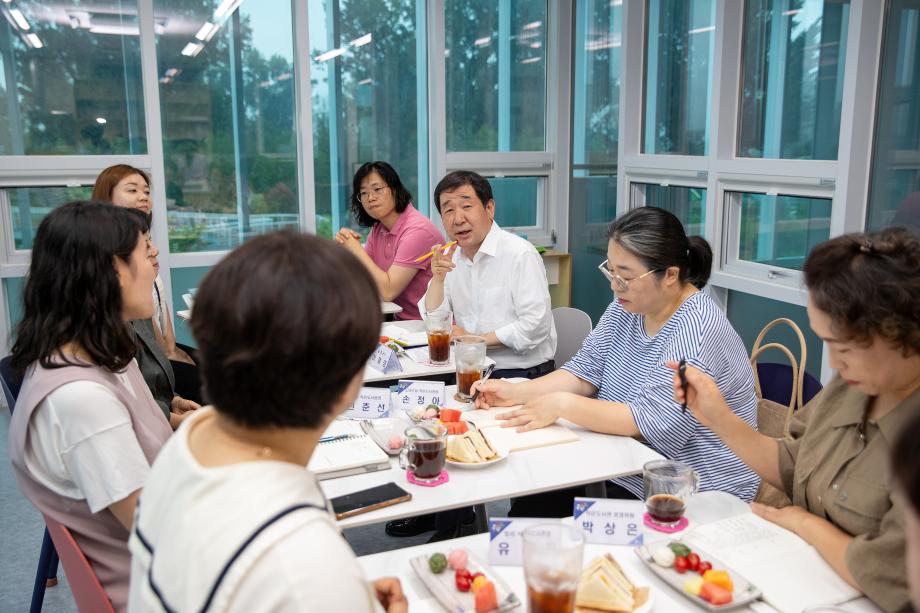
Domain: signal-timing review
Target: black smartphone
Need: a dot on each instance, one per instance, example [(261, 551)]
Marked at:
[(369, 500)]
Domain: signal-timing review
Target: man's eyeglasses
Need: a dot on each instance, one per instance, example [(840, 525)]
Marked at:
[(619, 283), (376, 192)]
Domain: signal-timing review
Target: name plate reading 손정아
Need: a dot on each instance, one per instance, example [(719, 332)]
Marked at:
[(409, 393)]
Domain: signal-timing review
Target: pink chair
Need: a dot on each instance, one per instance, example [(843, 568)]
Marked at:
[(86, 589)]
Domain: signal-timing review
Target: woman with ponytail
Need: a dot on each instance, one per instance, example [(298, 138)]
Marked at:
[(619, 381)]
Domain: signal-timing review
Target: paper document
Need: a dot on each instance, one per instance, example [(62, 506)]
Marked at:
[(510, 438), (791, 573)]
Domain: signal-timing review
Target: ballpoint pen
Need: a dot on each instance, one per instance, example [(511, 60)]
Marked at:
[(482, 380), (682, 373), (337, 437)]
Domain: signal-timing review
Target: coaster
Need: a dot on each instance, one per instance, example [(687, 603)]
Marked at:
[(680, 525), (442, 479)]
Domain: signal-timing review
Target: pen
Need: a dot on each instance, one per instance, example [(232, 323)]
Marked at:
[(337, 437), (422, 258), (682, 373), (483, 379)]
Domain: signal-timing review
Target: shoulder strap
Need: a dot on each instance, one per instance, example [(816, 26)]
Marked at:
[(226, 568)]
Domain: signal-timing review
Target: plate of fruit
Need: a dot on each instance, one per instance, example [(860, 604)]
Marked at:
[(473, 449), (463, 583), (449, 417), (698, 576)]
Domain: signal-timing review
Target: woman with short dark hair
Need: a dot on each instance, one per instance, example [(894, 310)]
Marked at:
[(399, 235), (85, 428), (863, 297), (618, 382), (285, 325)]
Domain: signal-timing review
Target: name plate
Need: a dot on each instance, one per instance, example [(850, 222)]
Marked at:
[(385, 360), (371, 403), (409, 393), (506, 547), (609, 521)]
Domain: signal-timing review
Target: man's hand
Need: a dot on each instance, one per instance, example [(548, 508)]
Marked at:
[(442, 263)]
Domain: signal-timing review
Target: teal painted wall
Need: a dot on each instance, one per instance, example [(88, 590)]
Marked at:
[(184, 279)]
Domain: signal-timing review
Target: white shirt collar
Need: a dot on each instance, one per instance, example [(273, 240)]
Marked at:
[(489, 244)]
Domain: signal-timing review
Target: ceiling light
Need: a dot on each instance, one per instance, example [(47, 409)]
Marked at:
[(226, 8), (101, 121), (701, 30), (207, 31), (361, 41), (533, 25), (531, 60), (482, 42), (20, 20), (34, 40), (322, 57), (192, 49)]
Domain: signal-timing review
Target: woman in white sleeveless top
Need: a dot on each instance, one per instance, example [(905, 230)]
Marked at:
[(231, 519), (85, 428)]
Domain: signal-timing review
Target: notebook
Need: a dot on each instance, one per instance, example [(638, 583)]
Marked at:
[(790, 573), (355, 454), (510, 438)]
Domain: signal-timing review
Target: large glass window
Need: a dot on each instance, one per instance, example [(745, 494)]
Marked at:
[(678, 76), (894, 189), (70, 78), (595, 138), (517, 200), (792, 78), (369, 75), (687, 203), (780, 231), (495, 60), (227, 103), (29, 205)]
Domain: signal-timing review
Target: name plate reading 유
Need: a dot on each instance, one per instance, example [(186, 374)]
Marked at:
[(609, 521), (506, 547)]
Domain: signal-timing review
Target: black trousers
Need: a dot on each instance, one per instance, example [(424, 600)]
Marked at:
[(559, 503), (188, 380)]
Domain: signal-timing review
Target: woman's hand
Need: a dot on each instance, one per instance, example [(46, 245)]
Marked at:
[(180, 405), (496, 393), (348, 238), (791, 518), (703, 396), (442, 263), (537, 413), (390, 595)]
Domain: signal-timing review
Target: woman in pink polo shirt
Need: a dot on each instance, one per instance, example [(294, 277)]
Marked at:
[(399, 235)]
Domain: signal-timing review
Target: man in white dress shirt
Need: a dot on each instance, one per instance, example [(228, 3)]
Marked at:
[(492, 280), (495, 284)]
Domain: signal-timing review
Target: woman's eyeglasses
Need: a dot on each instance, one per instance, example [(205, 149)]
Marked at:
[(619, 283)]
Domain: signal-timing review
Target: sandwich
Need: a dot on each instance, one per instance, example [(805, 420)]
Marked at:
[(605, 587), (471, 448)]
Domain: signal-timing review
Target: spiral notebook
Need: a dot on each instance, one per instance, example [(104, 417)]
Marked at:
[(354, 454)]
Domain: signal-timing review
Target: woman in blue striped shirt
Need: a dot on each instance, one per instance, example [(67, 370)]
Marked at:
[(619, 382)]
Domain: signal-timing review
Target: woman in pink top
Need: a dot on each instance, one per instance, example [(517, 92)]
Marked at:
[(399, 235)]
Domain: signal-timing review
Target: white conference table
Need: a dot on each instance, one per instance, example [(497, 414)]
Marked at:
[(703, 508), (410, 368), (593, 458), (387, 308)]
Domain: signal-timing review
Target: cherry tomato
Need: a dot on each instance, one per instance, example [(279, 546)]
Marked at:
[(463, 580), (693, 561), (680, 564), (702, 567)]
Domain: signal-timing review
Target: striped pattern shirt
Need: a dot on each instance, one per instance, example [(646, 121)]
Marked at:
[(628, 366)]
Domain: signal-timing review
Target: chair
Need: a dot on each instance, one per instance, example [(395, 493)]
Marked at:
[(87, 591), (572, 328), (46, 573)]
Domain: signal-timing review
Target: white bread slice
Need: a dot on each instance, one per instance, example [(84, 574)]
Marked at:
[(605, 587), (460, 449), (483, 447)]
